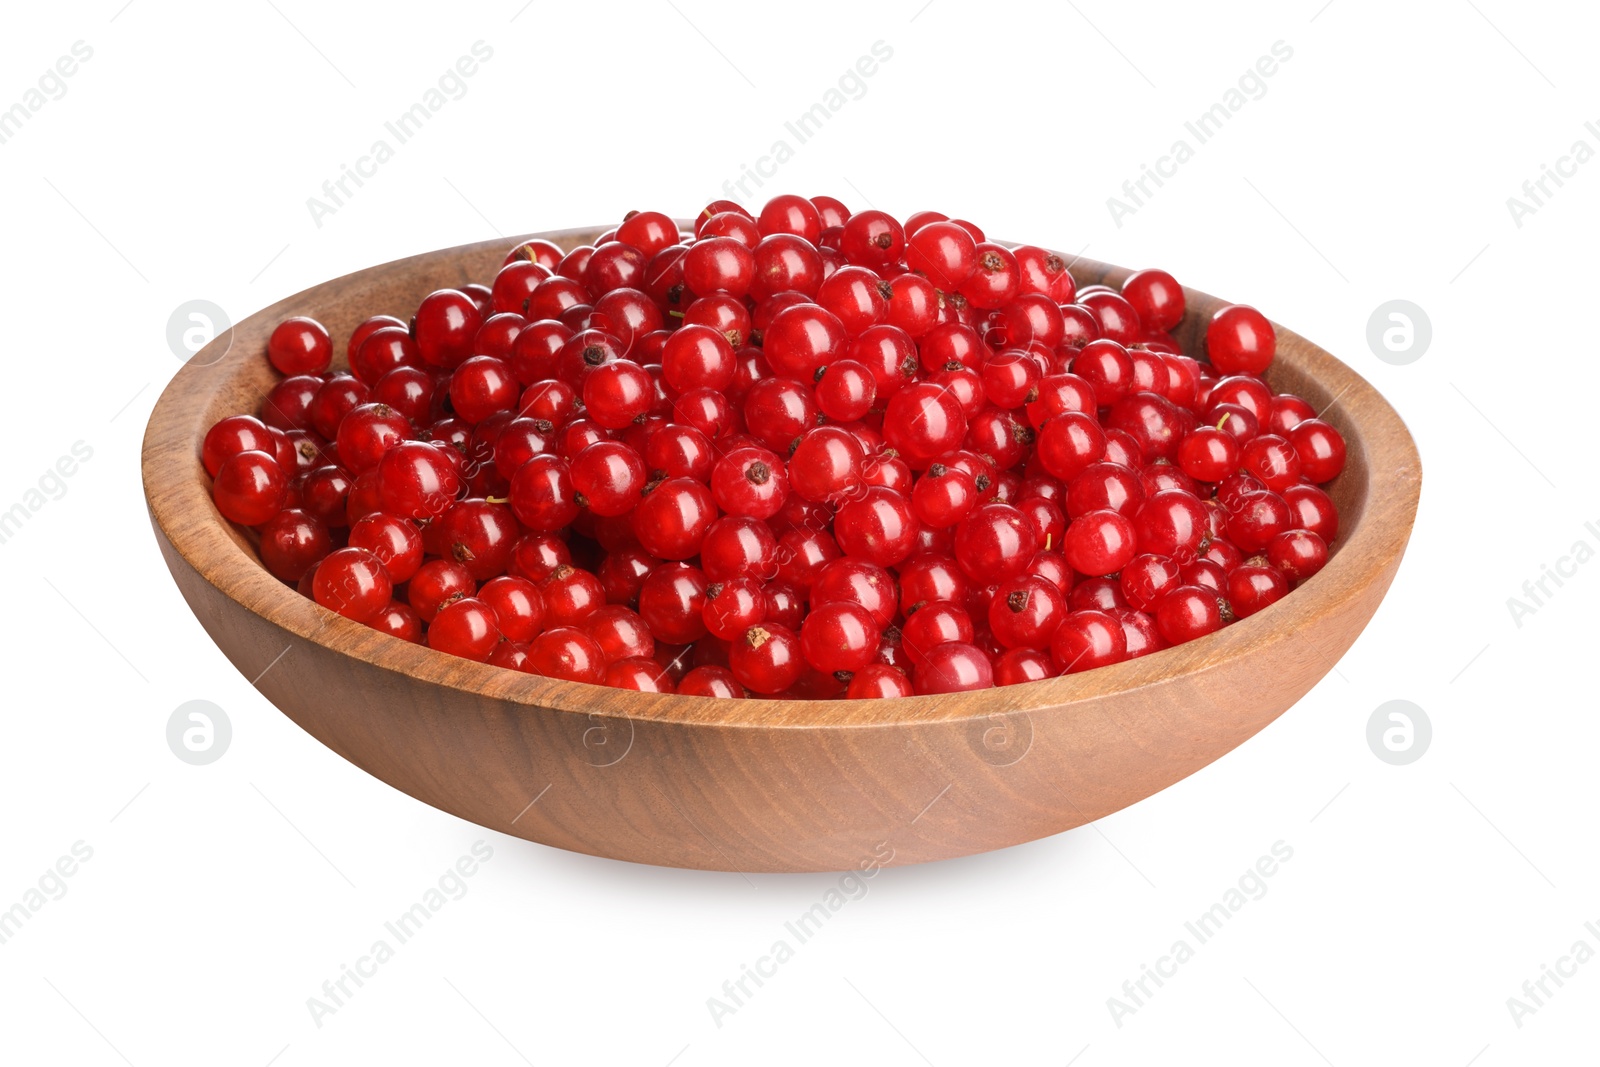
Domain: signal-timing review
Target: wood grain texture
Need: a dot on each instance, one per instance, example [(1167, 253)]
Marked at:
[(758, 785)]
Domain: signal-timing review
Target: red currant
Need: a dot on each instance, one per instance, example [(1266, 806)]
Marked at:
[(954, 667), (352, 582), (1240, 340), (250, 488), (1086, 639), (766, 658), (300, 346)]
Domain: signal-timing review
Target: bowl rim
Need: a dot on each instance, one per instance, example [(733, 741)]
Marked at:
[(181, 510)]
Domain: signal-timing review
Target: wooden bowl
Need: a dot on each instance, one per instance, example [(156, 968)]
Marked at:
[(758, 785)]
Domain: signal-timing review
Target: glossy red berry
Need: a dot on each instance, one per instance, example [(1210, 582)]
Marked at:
[(1010, 378), (1207, 454), (338, 395), (878, 525), (1087, 639), (366, 433), (300, 346), (954, 667), (932, 625), (287, 406), (1069, 443), (352, 582), (1147, 578), (786, 263), (839, 636), (672, 519), (1256, 518), (1173, 523), (1025, 612), (826, 465), (710, 681), (395, 541), (858, 582), (620, 632), (1272, 460), (542, 494), (672, 603), (481, 386), (648, 231), (732, 606), (1187, 612), (412, 392), (467, 628), (1104, 486), (923, 421), (766, 658), (1312, 509), (752, 482), (617, 392), (608, 478), (872, 239), (1206, 573), (479, 534), (571, 595), (1157, 298), (790, 214), (1020, 665), (995, 542), (293, 543), (802, 554), (738, 546), (1033, 318), (733, 222), (1254, 586), (802, 340), (1240, 340), (698, 357), (230, 436), (1105, 366), (438, 582), (613, 265), (943, 251), (845, 390), (877, 681), (446, 325), (364, 330), (417, 480), (384, 350), (995, 279), (943, 496), (719, 264), (1287, 412), (1320, 449), (1044, 272), (398, 620), (249, 488), (1098, 543), (517, 604), (1113, 314), (777, 411), (858, 298), (1297, 553), (639, 674), (568, 654)]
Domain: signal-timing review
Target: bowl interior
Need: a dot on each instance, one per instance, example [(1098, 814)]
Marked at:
[(231, 376)]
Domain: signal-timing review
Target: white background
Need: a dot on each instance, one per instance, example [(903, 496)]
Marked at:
[(1376, 166)]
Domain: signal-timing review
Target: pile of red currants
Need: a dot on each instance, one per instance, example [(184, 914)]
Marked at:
[(806, 453)]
